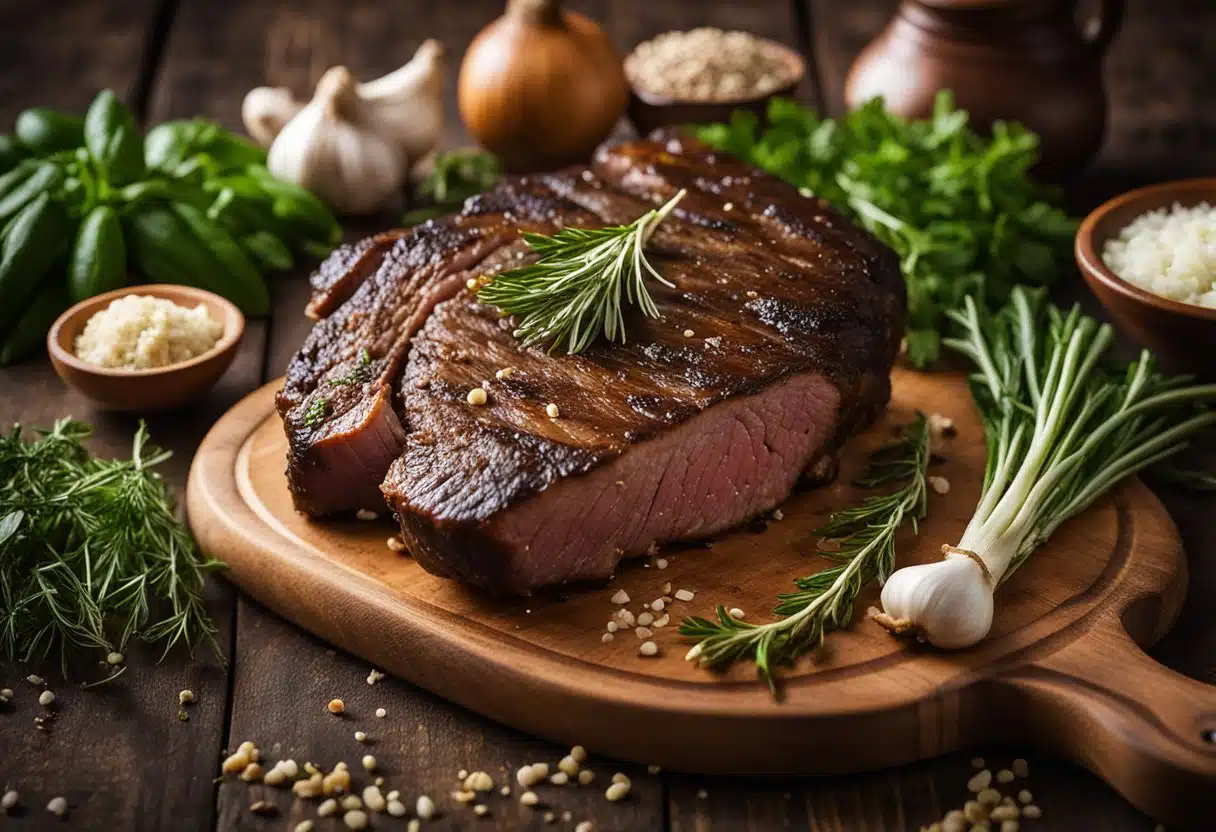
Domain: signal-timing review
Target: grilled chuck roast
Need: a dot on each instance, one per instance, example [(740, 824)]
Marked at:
[(775, 346)]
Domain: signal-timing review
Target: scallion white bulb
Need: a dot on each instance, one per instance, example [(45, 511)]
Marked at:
[(947, 603)]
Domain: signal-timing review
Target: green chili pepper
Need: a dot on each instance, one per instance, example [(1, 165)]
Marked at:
[(23, 171), (172, 145), (11, 153), (162, 249), (268, 250), (99, 257), (45, 176), (164, 246), (291, 202), (113, 139), (30, 328), (43, 131), (38, 236), (238, 278)]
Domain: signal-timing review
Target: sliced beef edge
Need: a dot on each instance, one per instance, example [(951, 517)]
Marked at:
[(716, 470), (340, 451), (337, 462)]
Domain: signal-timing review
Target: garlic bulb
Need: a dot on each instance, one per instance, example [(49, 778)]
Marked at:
[(329, 149), (947, 603), (353, 144)]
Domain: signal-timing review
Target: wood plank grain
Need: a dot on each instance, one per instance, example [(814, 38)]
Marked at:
[(1159, 107), (1162, 101), (63, 59), (220, 50), (119, 754), (838, 33), (283, 677)]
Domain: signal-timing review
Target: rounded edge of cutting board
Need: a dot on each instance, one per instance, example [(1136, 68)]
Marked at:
[(1075, 681)]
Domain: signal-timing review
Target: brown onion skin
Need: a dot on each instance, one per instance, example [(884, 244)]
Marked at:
[(541, 87)]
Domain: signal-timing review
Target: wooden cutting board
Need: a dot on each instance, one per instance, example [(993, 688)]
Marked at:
[(1063, 669)]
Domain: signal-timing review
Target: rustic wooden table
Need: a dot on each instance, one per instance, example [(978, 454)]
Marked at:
[(120, 755)]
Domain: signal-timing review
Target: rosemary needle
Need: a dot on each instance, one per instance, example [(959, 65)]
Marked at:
[(824, 601), (573, 292)]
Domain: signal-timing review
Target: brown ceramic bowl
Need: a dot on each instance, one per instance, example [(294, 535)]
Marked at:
[(649, 111), (1181, 334), (142, 391)]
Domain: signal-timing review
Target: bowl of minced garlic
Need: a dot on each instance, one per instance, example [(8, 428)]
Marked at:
[(146, 348)]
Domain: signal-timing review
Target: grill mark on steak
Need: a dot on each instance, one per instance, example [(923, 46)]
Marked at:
[(796, 318), (359, 420), (477, 489), (345, 270)]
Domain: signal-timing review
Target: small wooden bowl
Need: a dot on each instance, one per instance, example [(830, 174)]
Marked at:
[(1182, 335), (649, 111), (163, 388)]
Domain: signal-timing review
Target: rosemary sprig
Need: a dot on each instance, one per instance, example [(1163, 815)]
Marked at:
[(573, 292), (92, 554), (824, 601)]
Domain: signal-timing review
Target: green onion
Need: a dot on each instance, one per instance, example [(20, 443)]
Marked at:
[(1062, 428)]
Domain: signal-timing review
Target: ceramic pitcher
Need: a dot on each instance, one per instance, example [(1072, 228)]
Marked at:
[(1038, 62)]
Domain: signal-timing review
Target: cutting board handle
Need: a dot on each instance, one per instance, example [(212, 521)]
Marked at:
[(1147, 730)]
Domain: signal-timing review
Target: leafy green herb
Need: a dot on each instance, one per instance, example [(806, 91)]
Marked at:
[(456, 176), (960, 210), (865, 538), (317, 410), (92, 554), (573, 292), (361, 373)]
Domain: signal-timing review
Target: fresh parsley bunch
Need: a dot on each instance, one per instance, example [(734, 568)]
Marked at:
[(960, 210)]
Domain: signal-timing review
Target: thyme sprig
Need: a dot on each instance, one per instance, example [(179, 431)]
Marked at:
[(92, 554), (865, 552), (574, 291), (360, 373)]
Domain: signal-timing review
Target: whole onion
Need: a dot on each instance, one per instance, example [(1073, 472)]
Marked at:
[(541, 86)]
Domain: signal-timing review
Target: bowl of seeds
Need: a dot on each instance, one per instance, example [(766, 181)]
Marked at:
[(702, 75)]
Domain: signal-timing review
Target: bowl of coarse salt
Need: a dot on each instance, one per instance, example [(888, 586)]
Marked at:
[(1150, 257)]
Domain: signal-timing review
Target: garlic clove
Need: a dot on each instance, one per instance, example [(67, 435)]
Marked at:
[(266, 110), (423, 72), (947, 603), (407, 104)]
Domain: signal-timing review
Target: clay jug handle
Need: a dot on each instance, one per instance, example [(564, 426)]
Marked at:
[(1100, 28)]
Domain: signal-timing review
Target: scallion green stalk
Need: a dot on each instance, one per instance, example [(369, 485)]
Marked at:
[(1062, 428)]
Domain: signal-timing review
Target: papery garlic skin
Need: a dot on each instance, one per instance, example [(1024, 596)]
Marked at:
[(407, 104), (329, 149), (353, 144), (947, 603), (266, 111)]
